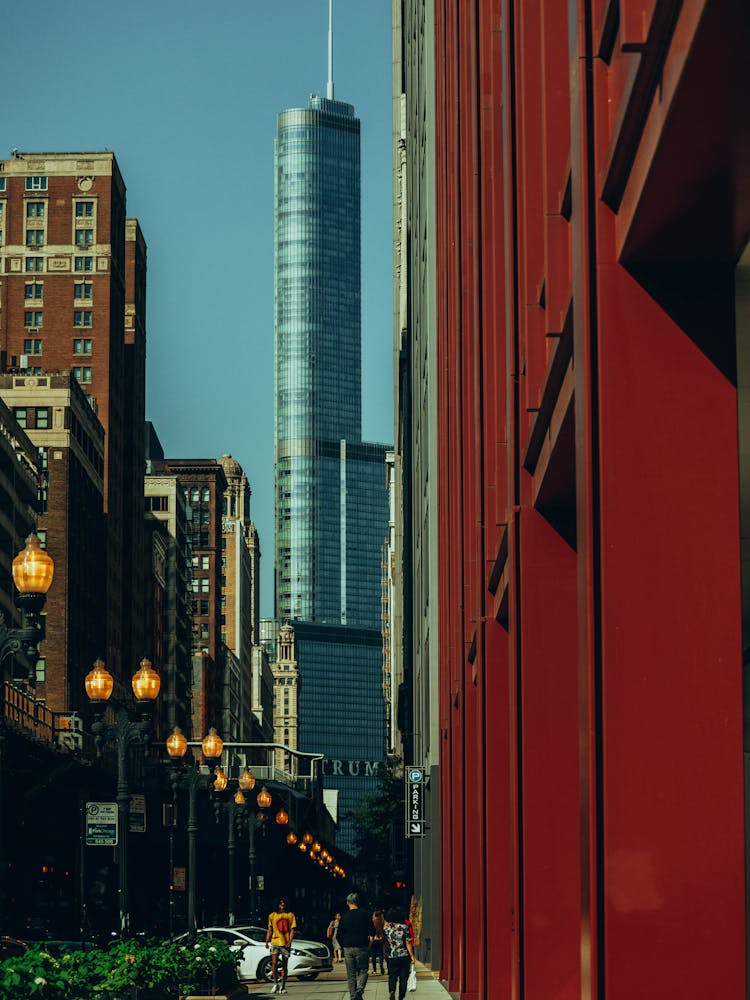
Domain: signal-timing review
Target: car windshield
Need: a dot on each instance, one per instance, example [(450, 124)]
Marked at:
[(257, 933)]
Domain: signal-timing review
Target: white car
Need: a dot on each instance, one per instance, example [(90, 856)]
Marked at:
[(306, 961)]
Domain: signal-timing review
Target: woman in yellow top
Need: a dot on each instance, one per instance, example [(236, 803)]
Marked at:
[(281, 927)]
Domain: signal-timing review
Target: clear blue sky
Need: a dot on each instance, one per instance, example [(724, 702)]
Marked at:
[(186, 95)]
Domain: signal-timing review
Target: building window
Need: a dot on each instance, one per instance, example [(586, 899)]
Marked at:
[(40, 669), (83, 346), (35, 209), (42, 418), (83, 264), (157, 503), (82, 317), (205, 585), (32, 317), (43, 465), (204, 562), (33, 290), (194, 494), (84, 237), (2, 183), (204, 608), (205, 494), (83, 289), (35, 263), (41, 533), (84, 209), (32, 347), (34, 237), (83, 375), (19, 412), (36, 183), (194, 585)]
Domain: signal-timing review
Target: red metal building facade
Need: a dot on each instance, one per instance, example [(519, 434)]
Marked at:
[(592, 204)]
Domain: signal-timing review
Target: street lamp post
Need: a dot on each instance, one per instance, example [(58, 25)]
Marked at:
[(212, 747), (124, 733), (33, 571)]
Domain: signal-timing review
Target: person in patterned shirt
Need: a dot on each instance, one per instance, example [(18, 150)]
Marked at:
[(399, 952)]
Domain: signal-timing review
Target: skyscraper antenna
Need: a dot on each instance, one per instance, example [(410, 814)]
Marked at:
[(329, 88)]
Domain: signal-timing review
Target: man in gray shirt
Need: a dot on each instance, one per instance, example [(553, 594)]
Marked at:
[(355, 935)]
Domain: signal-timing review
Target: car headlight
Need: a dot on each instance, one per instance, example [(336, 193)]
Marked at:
[(296, 951)]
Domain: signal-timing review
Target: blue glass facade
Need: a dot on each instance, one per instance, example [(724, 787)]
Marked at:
[(331, 503)]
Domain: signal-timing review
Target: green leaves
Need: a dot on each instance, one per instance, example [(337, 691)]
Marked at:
[(126, 970)]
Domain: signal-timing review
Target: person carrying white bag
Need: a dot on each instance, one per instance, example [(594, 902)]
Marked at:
[(399, 955)]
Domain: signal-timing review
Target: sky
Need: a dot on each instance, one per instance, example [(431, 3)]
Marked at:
[(186, 95)]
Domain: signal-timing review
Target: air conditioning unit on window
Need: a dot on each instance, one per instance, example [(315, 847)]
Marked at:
[(33, 329)]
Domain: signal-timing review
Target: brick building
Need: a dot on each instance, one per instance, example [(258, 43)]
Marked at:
[(240, 596), (203, 484), (167, 603), (69, 439), (65, 277)]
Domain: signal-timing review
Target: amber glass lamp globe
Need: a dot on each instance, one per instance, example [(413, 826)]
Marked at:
[(146, 682), (246, 780), (302, 847), (291, 838), (220, 781), (212, 745), (282, 817), (239, 798), (307, 838), (264, 798), (33, 568), (176, 743), (99, 682)]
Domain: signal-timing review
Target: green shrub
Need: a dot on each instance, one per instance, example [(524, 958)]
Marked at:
[(126, 970)]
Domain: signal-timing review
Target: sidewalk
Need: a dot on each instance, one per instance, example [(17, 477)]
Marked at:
[(332, 986)]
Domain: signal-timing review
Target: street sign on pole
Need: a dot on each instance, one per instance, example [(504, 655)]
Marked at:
[(137, 814), (415, 785), (101, 824)]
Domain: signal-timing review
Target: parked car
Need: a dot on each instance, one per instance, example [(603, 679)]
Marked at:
[(11, 947), (306, 961)]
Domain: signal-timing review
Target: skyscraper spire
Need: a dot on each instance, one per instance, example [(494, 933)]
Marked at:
[(329, 88)]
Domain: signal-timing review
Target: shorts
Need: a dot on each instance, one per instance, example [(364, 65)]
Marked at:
[(280, 949)]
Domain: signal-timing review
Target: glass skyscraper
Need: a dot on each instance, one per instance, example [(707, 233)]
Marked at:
[(331, 503)]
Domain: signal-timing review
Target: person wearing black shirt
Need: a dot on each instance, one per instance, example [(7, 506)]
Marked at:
[(355, 937)]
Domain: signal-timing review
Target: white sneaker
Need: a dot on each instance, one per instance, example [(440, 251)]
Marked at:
[(275, 988), (282, 989)]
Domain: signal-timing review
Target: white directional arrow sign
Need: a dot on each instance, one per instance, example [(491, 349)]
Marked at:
[(415, 785)]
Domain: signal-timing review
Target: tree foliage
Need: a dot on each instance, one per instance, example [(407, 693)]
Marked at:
[(375, 818)]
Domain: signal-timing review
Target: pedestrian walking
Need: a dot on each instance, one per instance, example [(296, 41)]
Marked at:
[(377, 944), (399, 952), (355, 937), (332, 933), (281, 927)]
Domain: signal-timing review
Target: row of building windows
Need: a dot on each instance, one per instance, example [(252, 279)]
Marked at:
[(34, 290), (35, 265), (35, 318), (81, 345), (29, 417), (36, 237)]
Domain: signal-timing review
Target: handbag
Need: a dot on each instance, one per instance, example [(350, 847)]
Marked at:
[(411, 982)]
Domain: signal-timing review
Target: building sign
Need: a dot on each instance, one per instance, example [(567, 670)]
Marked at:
[(335, 768), (137, 814), (101, 824), (414, 794)]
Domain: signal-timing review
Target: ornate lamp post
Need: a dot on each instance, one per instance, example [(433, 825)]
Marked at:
[(123, 733), (212, 747), (33, 570)]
